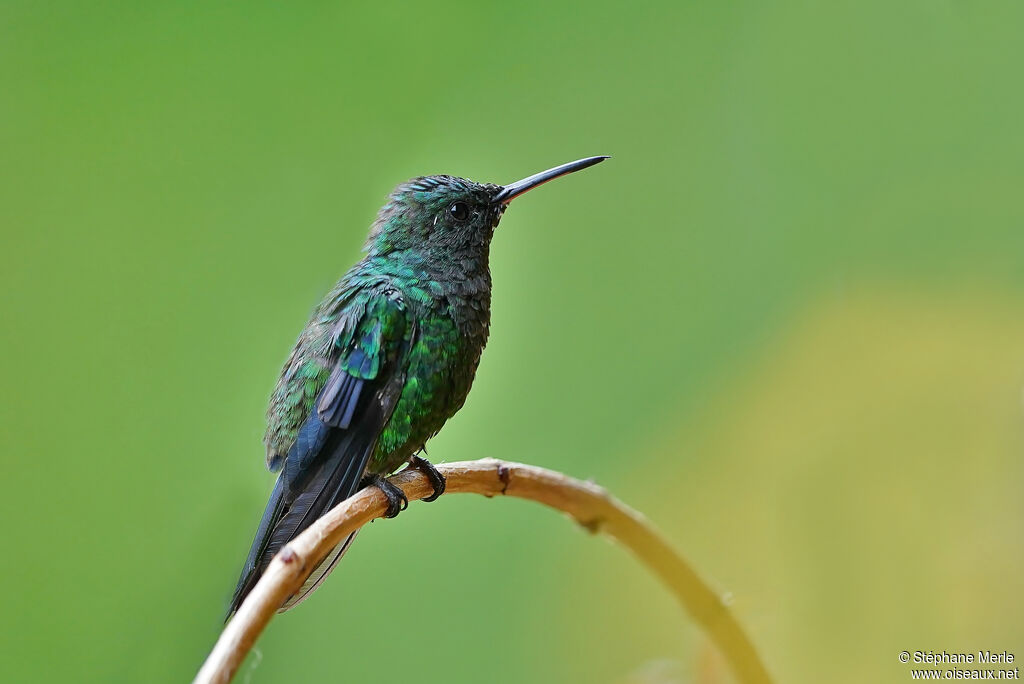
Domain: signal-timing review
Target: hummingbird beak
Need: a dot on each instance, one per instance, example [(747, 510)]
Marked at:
[(513, 190)]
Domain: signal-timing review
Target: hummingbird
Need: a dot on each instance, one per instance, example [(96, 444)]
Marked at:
[(385, 360)]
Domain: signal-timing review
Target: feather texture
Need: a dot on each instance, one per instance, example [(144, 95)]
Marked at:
[(386, 359)]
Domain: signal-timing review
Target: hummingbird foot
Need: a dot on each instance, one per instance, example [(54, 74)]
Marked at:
[(397, 500), (432, 473)]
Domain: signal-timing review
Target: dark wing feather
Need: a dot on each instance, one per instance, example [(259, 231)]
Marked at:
[(337, 402), (295, 506), (325, 464), (270, 517)]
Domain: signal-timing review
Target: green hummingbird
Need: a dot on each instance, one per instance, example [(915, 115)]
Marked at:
[(387, 357)]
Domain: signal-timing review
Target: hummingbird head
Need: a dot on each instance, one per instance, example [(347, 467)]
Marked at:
[(449, 216)]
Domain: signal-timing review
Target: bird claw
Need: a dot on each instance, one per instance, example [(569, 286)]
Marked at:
[(397, 500), (437, 480)]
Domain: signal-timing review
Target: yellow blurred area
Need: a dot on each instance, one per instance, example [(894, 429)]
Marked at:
[(858, 488)]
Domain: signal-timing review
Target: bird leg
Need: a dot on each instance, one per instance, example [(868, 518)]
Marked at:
[(397, 501), (435, 477)]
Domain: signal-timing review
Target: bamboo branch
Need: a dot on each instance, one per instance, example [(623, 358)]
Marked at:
[(589, 505)]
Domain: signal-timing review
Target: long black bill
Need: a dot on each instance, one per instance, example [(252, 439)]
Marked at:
[(513, 190)]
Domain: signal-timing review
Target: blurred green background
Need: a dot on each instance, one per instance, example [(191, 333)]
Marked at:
[(786, 321)]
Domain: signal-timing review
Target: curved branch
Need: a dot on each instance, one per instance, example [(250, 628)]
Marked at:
[(590, 505)]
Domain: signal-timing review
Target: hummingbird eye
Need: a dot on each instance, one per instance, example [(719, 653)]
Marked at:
[(459, 211)]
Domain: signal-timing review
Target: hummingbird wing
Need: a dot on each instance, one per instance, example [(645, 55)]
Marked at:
[(325, 464)]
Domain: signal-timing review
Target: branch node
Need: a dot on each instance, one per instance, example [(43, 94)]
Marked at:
[(288, 555), (504, 474)]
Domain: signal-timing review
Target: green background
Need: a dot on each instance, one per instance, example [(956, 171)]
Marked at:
[(786, 321)]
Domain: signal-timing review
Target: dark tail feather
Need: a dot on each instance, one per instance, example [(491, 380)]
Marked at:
[(335, 478), (319, 574), (270, 517)]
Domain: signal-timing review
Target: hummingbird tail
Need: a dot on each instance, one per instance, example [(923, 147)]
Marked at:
[(319, 574), (249, 575), (294, 508)]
